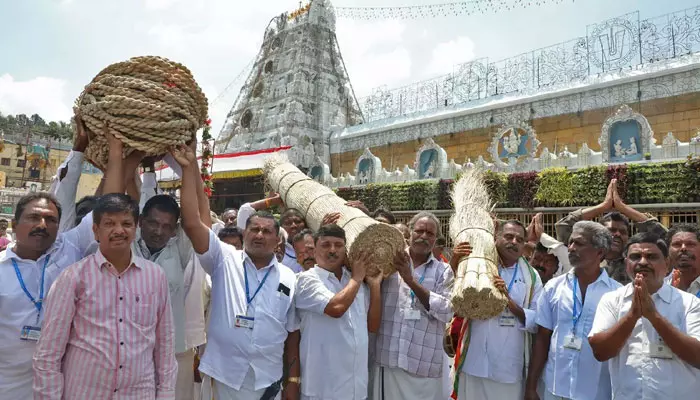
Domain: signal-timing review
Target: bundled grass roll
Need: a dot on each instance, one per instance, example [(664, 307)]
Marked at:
[(473, 293), (314, 201)]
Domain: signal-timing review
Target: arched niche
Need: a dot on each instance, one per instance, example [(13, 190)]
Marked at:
[(367, 168), (431, 160), (626, 136), (246, 119)]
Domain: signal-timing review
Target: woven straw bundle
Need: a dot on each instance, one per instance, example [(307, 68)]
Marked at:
[(473, 293), (314, 200), (149, 103)]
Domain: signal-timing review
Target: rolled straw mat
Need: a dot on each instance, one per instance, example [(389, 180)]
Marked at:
[(314, 201)]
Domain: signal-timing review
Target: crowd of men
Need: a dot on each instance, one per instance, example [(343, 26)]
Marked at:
[(130, 295)]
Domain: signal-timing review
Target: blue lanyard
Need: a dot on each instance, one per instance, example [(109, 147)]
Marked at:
[(37, 303), (420, 282), (247, 292), (512, 280), (575, 317)]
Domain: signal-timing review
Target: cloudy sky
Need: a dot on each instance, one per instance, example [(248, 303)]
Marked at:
[(52, 48)]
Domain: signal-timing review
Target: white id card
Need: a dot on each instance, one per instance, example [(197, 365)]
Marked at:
[(243, 321), (660, 350), (412, 314), (30, 333), (506, 319), (572, 342)]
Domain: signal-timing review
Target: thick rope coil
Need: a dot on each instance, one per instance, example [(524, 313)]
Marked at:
[(149, 103)]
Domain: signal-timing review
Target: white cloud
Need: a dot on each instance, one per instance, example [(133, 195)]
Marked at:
[(448, 54), (374, 54), (41, 95), (159, 4)]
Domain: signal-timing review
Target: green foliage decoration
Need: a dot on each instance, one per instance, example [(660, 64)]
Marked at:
[(556, 188), (639, 183), (496, 184), (522, 188), (589, 185)]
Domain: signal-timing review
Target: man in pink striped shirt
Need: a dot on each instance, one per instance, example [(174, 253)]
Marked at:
[(108, 330)]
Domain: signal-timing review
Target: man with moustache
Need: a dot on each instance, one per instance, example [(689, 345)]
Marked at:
[(648, 331), (337, 310), (292, 221), (304, 247), (108, 330), (28, 268), (410, 360), (684, 254), (564, 317), (492, 354), (229, 217), (616, 217), (252, 309)]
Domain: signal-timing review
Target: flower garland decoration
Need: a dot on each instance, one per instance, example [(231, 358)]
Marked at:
[(206, 159)]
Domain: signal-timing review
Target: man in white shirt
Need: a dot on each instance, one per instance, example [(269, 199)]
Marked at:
[(416, 306), (684, 255), (648, 331), (333, 305), (292, 221), (565, 315), (28, 268), (498, 349), (251, 301)]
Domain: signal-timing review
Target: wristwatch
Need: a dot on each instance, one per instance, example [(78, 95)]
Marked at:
[(148, 168)]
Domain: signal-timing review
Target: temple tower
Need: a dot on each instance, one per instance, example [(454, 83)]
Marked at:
[(297, 92)]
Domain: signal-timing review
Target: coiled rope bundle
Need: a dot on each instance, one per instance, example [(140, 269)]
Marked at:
[(149, 103)]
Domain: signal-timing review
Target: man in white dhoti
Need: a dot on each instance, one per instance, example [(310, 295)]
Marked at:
[(416, 307), (251, 303), (565, 315), (336, 309), (648, 331), (498, 349)]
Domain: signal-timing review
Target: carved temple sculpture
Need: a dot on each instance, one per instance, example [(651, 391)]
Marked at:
[(626, 136), (513, 147)]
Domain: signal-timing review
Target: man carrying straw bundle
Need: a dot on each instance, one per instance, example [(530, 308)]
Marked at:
[(492, 355), (410, 360)]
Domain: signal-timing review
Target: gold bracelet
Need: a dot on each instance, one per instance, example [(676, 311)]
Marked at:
[(294, 379)]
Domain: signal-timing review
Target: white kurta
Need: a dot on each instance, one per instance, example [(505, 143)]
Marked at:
[(333, 351), (634, 373)]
